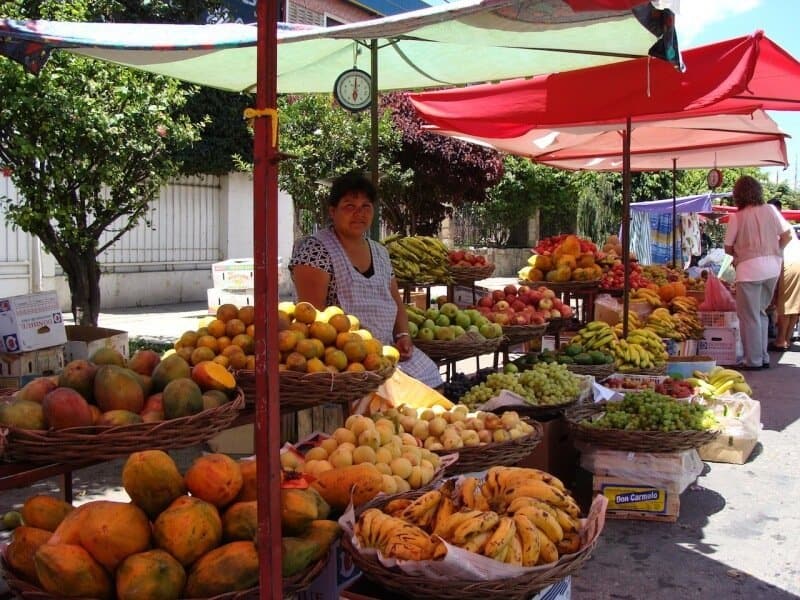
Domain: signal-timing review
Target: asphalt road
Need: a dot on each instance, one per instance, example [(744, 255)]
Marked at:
[(737, 535)]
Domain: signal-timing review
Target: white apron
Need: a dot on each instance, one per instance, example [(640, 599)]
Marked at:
[(370, 299)]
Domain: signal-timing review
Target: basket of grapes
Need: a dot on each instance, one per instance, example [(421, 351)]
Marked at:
[(542, 390), (643, 421)]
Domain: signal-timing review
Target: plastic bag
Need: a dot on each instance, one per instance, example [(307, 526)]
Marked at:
[(717, 298)]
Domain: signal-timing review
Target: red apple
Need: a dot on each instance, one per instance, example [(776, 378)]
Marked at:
[(457, 255), (500, 318), (548, 293), (555, 314), (523, 289), (511, 298), (557, 303), (566, 311), (501, 306), (518, 305), (469, 257), (480, 260), (520, 319), (545, 304), (534, 296), (486, 301), (537, 319), (485, 310), (510, 289), (498, 295)]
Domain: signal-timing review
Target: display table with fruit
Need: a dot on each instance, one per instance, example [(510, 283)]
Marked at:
[(507, 535)]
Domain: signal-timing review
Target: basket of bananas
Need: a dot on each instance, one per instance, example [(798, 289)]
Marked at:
[(509, 535), (643, 421), (418, 259)]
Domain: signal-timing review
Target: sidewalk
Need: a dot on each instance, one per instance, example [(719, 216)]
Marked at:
[(738, 534)]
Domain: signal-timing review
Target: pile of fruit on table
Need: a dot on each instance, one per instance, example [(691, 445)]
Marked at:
[(613, 278), (642, 349), (447, 321), (522, 305), (419, 259), (562, 258), (650, 411), (181, 536), (466, 258)]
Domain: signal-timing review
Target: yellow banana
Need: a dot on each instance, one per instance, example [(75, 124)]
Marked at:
[(530, 540), (570, 544), (443, 512), (467, 492), (478, 524), (544, 521), (514, 553), (536, 488), (422, 510), (547, 550), (571, 507), (476, 543), (455, 520), (479, 500), (508, 477), (396, 507), (569, 524), (501, 537), (364, 529)]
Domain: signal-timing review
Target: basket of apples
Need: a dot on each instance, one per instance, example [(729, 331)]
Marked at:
[(523, 312), (466, 267)]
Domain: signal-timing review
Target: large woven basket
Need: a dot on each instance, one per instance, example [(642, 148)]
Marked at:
[(598, 371), (522, 587), (516, 334), (468, 345), (291, 585), (299, 391), (508, 453), (77, 445), (466, 275), (632, 440)]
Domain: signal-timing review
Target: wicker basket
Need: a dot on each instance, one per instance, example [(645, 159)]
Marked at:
[(662, 370), (299, 391), (468, 345), (632, 440), (517, 334), (565, 286), (598, 371), (508, 453), (291, 585), (466, 275), (421, 587), (77, 445)]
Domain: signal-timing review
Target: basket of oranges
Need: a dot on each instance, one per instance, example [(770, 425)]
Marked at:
[(326, 356)]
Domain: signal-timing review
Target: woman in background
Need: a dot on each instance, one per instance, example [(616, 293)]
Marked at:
[(755, 238), (339, 266), (788, 290)]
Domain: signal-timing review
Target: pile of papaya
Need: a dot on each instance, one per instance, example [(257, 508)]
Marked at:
[(181, 536), (571, 354)]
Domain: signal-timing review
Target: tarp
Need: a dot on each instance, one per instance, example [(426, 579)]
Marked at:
[(732, 76), (685, 204), (461, 42), (697, 142), (788, 214)]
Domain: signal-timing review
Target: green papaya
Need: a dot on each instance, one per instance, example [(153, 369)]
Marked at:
[(298, 509), (298, 554), (598, 358), (565, 359), (324, 532), (573, 350), (582, 359)]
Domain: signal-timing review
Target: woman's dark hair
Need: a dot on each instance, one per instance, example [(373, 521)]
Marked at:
[(747, 192), (776, 203), (354, 181)]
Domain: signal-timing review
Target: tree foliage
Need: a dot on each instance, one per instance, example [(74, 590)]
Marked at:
[(89, 145)]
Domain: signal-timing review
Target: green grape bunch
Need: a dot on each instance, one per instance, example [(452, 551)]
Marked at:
[(545, 384), (651, 411)]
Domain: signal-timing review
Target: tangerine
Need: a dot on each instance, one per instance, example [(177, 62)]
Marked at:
[(251, 362), (216, 328), (305, 312), (200, 354), (355, 367), (185, 353), (238, 360), (284, 320), (324, 332), (231, 350), (247, 314), (296, 362), (300, 328), (234, 327), (372, 346), (245, 342), (307, 348), (372, 361), (315, 365), (340, 323), (336, 359), (287, 340), (188, 338), (223, 342), (354, 351), (208, 341), (222, 360), (226, 312), (251, 330), (347, 336)]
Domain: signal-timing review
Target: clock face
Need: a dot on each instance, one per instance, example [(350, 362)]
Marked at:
[(714, 178), (353, 90)]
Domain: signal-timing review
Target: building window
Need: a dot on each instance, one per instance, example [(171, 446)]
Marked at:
[(306, 16)]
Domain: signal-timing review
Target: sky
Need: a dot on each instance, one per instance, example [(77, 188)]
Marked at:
[(701, 22)]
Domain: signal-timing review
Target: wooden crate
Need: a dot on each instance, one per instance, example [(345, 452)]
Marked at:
[(628, 500)]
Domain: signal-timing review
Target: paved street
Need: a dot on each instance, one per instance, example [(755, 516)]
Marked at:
[(737, 535)]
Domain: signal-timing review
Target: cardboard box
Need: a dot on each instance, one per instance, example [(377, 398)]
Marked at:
[(31, 322), (364, 589), (337, 574), (239, 298), (680, 348), (84, 340), (234, 274), (556, 453), (728, 449), (236, 440), (47, 361), (723, 344), (641, 502)]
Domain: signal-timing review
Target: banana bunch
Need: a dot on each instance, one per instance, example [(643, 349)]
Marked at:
[(633, 323), (660, 321), (631, 356), (519, 516), (395, 537), (419, 259), (646, 295), (688, 325), (647, 339), (719, 381), (596, 335), (683, 304)]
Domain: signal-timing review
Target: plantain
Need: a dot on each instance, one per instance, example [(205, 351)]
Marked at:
[(548, 552), (477, 524), (501, 537), (544, 521), (530, 540), (422, 510), (443, 512)]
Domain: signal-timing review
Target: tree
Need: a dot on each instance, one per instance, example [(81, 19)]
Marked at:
[(88, 145)]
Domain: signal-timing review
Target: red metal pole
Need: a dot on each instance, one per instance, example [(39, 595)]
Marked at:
[(265, 248), (626, 224)]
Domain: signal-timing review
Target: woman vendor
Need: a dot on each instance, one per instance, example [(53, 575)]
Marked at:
[(340, 266)]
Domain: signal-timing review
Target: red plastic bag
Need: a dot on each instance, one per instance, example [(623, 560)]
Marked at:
[(717, 296)]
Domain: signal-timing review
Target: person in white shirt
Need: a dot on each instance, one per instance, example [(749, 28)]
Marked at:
[(755, 239)]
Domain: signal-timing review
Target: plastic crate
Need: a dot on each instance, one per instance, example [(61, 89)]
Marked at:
[(718, 318)]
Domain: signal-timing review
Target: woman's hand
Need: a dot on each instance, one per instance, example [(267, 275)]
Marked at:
[(404, 346)]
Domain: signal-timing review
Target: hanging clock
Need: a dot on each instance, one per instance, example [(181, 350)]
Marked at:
[(714, 178), (353, 90)]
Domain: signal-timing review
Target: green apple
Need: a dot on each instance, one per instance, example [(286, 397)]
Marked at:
[(458, 330), (487, 330), (428, 324), (426, 333), (449, 309), (445, 333), (442, 321), (413, 330), (463, 319), (432, 313)]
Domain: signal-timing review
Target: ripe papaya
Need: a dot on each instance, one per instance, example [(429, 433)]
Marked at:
[(298, 509), (249, 481), (297, 554), (187, 529), (240, 521), (215, 478), (151, 575), (229, 568), (44, 512), (112, 531), (25, 541), (324, 533), (69, 530), (335, 485), (152, 480), (67, 570)]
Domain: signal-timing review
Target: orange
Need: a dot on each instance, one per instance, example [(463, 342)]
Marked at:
[(245, 342), (296, 362), (372, 346), (231, 350), (307, 348), (188, 338), (202, 331), (355, 367), (340, 323), (251, 362), (251, 330), (238, 360), (222, 360), (315, 365), (223, 342), (372, 362), (336, 359), (226, 312), (200, 354), (300, 328), (287, 340), (216, 328), (247, 314), (207, 341), (324, 332), (354, 351), (305, 312), (234, 327), (347, 336), (185, 353), (284, 320)]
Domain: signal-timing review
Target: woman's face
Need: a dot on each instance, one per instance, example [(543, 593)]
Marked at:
[(353, 215)]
